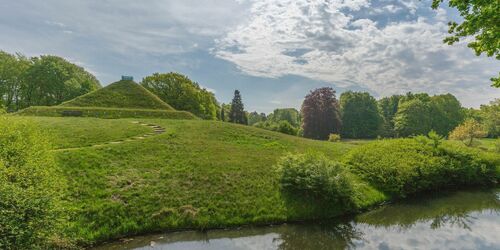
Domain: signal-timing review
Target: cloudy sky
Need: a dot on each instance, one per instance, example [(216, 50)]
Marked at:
[(273, 51)]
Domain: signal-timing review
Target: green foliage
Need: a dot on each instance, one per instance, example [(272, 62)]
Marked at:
[(286, 128), (432, 139), (489, 116), (413, 118), (30, 187), (480, 19), (198, 174), (388, 106), (51, 80), (286, 121), (446, 113), (403, 167), (225, 110), (290, 115), (44, 80), (146, 186), (320, 114), (469, 167), (122, 94), (12, 79), (314, 176), (105, 113), (237, 113), (183, 94), (418, 114), (468, 131), (334, 138), (282, 126), (255, 117), (360, 116)]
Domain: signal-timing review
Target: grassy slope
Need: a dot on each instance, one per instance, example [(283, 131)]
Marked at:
[(73, 132), (198, 174), (121, 94), (106, 113)]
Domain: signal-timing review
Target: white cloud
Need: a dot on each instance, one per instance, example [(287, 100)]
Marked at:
[(325, 40), (160, 26)]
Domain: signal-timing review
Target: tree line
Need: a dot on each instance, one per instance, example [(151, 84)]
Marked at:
[(50, 80), (41, 81), (358, 115)]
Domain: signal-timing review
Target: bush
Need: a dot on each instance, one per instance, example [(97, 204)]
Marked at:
[(29, 187), (334, 138), (286, 128), (467, 166), (314, 176), (282, 126), (402, 167)]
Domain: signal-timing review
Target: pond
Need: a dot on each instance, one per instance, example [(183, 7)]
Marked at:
[(455, 220)]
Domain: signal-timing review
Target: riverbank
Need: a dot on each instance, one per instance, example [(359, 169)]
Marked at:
[(423, 222)]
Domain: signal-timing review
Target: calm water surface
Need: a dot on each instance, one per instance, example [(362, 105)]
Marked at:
[(458, 220)]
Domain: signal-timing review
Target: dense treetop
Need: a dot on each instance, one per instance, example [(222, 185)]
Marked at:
[(320, 114), (360, 115), (183, 94), (41, 81)]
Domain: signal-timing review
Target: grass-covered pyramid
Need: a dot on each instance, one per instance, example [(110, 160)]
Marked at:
[(121, 94), (122, 99)]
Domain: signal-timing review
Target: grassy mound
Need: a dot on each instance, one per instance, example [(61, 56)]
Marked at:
[(197, 174), (106, 113), (121, 94)]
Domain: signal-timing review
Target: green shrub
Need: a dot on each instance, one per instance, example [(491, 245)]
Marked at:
[(286, 128), (314, 176), (282, 126), (402, 167), (29, 187), (334, 137), (467, 166)]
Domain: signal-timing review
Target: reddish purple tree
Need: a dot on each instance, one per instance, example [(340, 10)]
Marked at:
[(320, 114)]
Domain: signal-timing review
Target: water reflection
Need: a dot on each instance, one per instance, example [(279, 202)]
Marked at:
[(461, 220)]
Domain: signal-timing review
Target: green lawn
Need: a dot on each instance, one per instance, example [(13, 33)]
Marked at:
[(198, 174), (72, 132), (488, 144)]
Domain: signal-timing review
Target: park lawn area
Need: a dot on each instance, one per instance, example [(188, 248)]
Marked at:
[(71, 132), (198, 174), (488, 144)]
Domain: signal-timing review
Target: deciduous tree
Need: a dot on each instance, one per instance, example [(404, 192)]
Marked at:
[(388, 107), (468, 131), (413, 118), (320, 114), (490, 117), (51, 80), (360, 116), (183, 94)]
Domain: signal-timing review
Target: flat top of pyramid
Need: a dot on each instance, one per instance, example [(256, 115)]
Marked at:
[(121, 94)]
